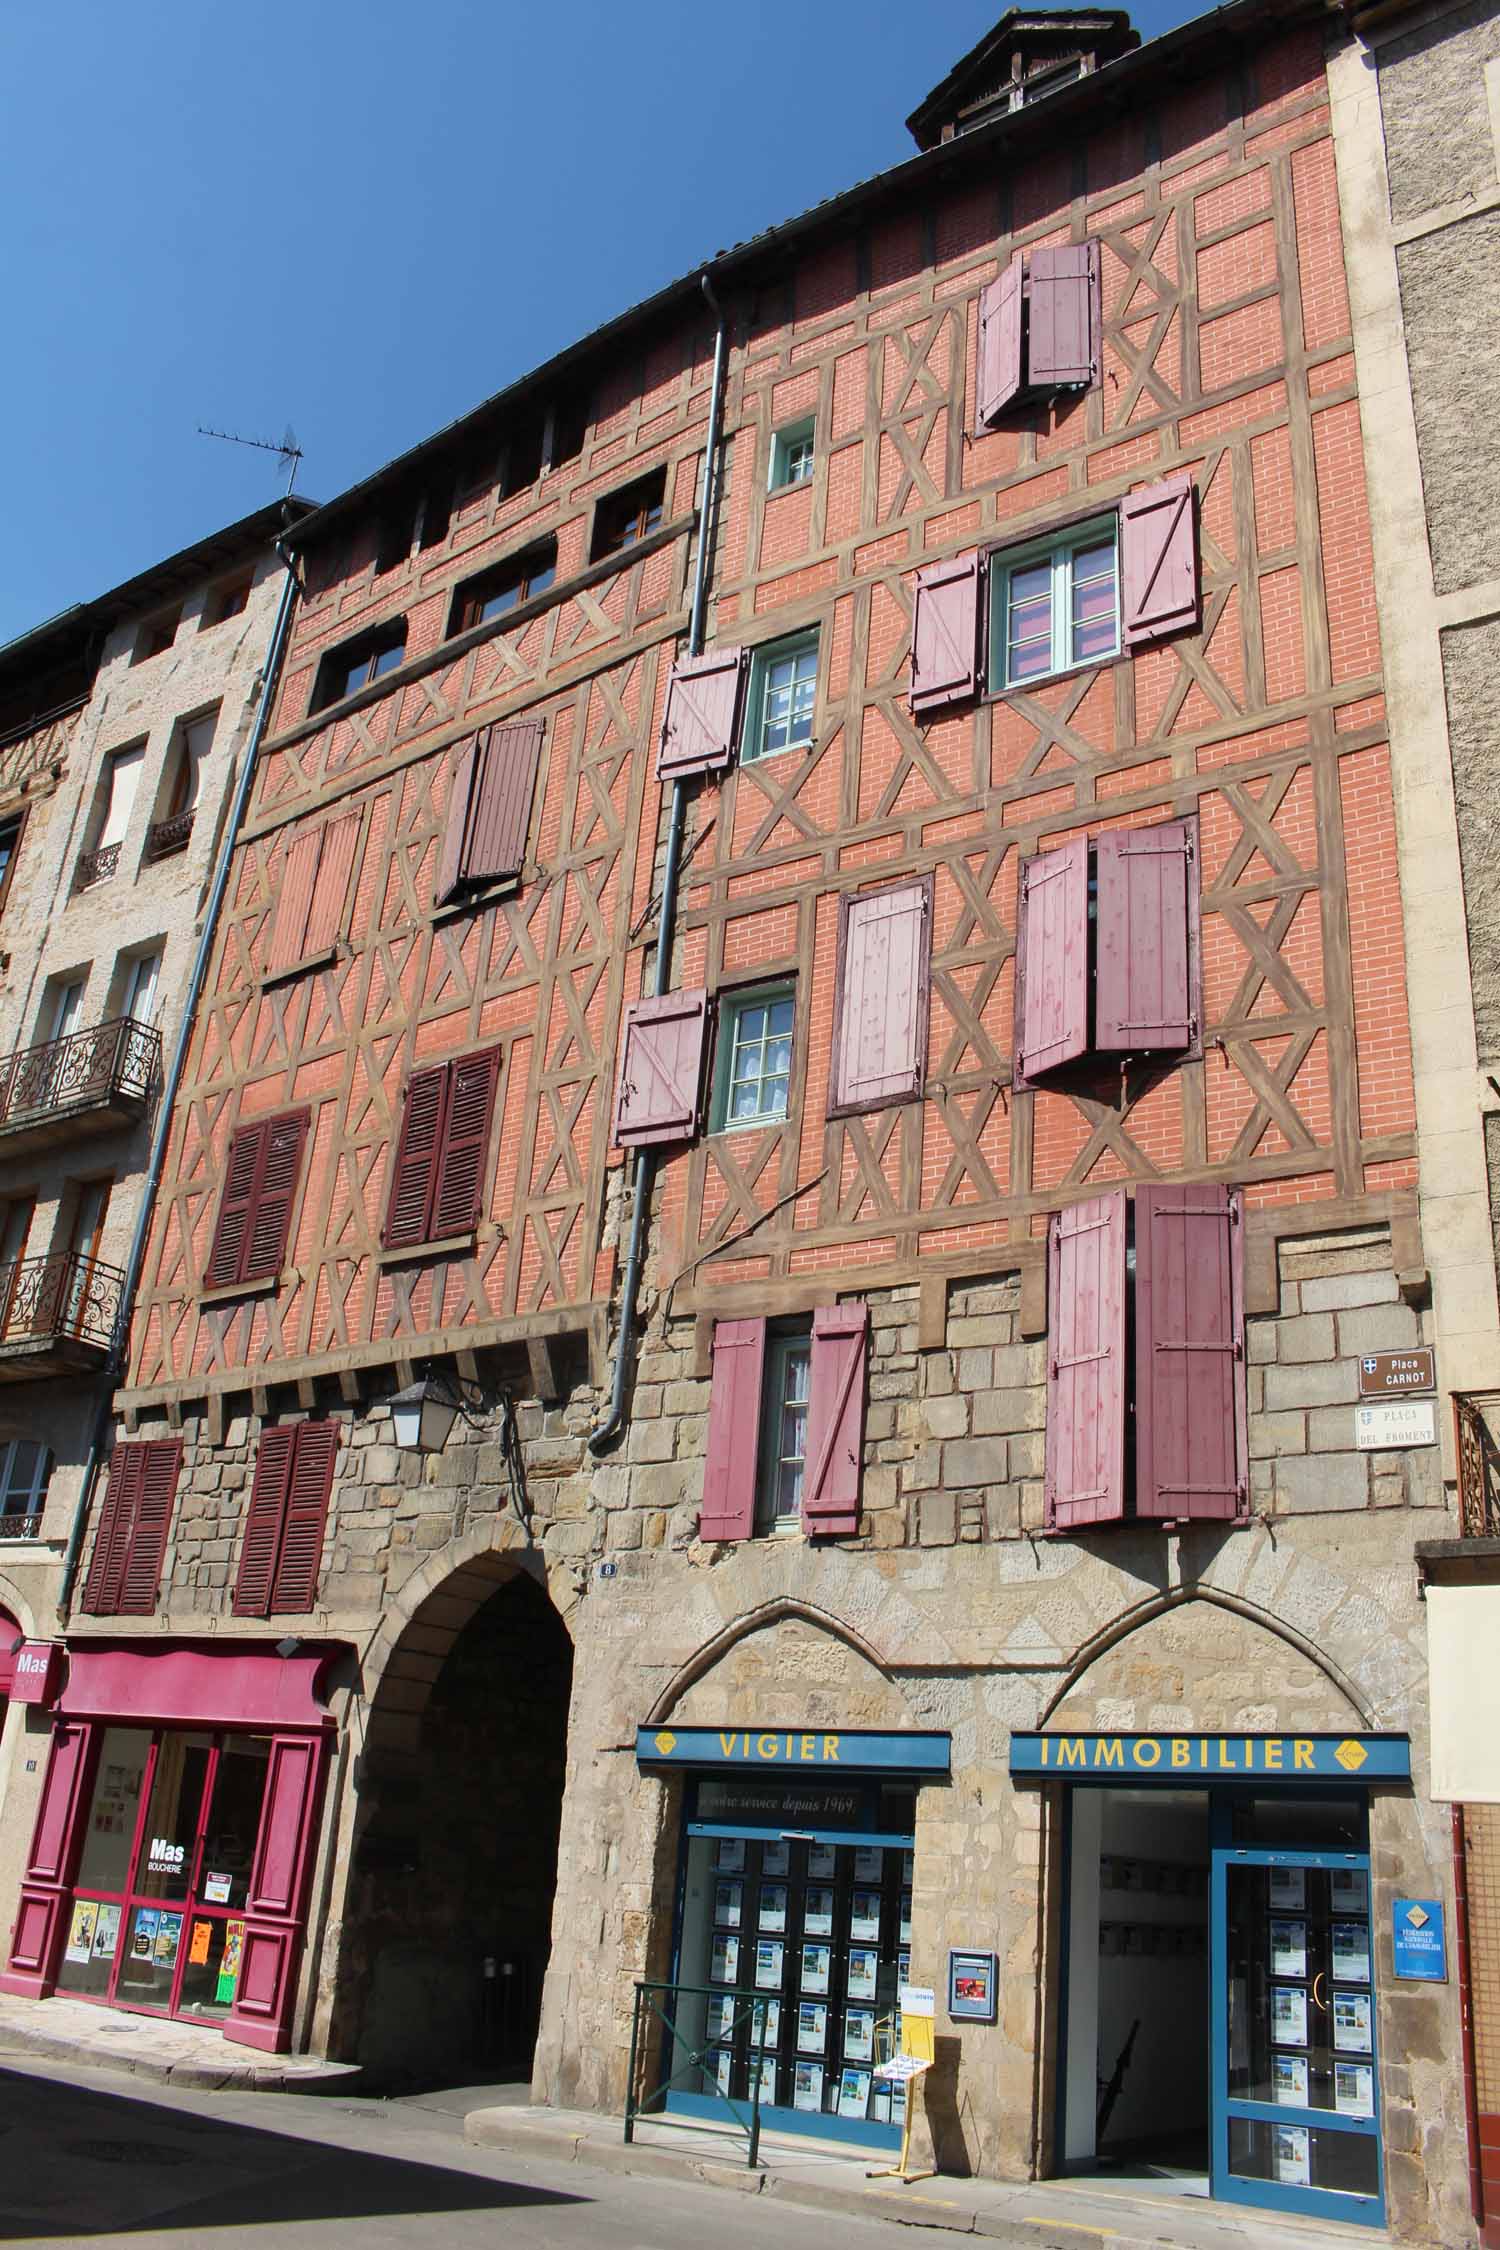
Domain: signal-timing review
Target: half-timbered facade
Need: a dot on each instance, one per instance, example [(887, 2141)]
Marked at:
[(950, 617)]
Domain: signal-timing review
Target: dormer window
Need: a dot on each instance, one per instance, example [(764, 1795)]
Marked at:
[(1027, 56)]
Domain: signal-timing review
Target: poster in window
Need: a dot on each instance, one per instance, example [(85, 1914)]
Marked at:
[(229, 1962), (898, 2102), (859, 2034), (908, 1861), (199, 1944), (761, 2078), (720, 2024), (854, 2093), (903, 1968), (822, 1862), (864, 1915), (1351, 2022), (776, 1859), (807, 2085), (1292, 2155), (773, 1907), (769, 1953), (729, 1859), (864, 1965), (812, 2027), (880, 2103), (81, 1931), (1286, 1889), (168, 1937), (1349, 1891), (728, 1900), (1351, 1952), (817, 1963), (720, 2062), (1354, 2089), (1288, 1949), (766, 2027), (106, 1933), (817, 1912), (905, 1932), (1289, 2080), (724, 1959), (869, 1863), (144, 1934), (216, 1889), (1288, 2015)]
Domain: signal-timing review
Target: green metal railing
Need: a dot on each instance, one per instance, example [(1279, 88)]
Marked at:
[(749, 2008)]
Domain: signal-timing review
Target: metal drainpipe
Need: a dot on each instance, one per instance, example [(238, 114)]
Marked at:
[(173, 1079), (1466, 2012), (604, 1433)]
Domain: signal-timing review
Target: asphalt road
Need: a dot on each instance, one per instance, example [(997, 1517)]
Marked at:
[(86, 2155)]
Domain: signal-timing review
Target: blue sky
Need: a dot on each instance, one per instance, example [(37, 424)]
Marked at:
[(363, 216)]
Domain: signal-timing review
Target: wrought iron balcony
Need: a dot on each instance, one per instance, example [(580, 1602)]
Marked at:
[(22, 1526), (90, 1082), (1478, 1467), (164, 837), (97, 867), (58, 1315)]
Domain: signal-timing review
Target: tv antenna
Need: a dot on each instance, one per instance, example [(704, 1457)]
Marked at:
[(288, 453)]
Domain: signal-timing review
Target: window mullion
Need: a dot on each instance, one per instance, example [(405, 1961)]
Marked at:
[(1062, 609)]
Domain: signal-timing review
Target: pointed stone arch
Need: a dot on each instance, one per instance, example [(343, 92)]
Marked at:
[(769, 1618)]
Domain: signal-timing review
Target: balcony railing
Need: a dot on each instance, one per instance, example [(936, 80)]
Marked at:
[(21, 1527), (1478, 1470), (47, 1304), (97, 867), (164, 837), (105, 1076)]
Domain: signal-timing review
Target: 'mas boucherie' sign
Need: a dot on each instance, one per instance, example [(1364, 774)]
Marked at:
[(1214, 1757)]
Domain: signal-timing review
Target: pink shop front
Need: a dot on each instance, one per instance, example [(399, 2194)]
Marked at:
[(171, 1859)]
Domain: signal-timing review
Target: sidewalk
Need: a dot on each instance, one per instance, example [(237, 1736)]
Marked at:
[(181, 2054), (1041, 2215)]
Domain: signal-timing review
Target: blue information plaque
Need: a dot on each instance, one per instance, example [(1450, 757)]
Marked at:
[(1420, 1946)]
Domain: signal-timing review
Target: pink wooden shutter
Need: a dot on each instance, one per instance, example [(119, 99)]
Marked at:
[(1143, 999), (325, 920), (881, 1005), (703, 713), (263, 1521), (945, 635), (834, 1471), (456, 823), (500, 814), (1052, 975), (294, 897), (1158, 562), (236, 1206), (1191, 1445), (1086, 1363), (728, 1510), (314, 1451), (106, 1575), (1063, 345), (458, 1189), (661, 1069), (409, 1203), (999, 374), (283, 1832), (161, 1461), (270, 1221), (57, 1824)]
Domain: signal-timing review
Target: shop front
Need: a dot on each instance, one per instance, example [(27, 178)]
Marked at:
[(1217, 2001), (170, 1859), (792, 1927)]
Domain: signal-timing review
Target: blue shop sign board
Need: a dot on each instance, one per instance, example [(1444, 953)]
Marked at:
[(1213, 1757), (1420, 1946), (823, 1750)]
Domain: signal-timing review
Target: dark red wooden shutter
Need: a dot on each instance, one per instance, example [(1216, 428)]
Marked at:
[(1052, 977), (1000, 377), (880, 1012), (305, 1516), (57, 1824), (236, 1204), (263, 1521), (702, 722), (729, 1473), (1143, 998), (1158, 562), (270, 1222), (160, 1464), (1063, 329), (1191, 1443), (409, 1204), (500, 813), (294, 897), (456, 823), (661, 1069), (458, 1187), (325, 920), (1086, 1363), (106, 1573), (945, 634), (834, 1472)]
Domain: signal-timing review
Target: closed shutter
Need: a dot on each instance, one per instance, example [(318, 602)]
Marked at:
[(236, 1205), (880, 1019), (271, 1217), (500, 815), (1086, 1363), (410, 1199), (456, 823), (57, 1827), (1191, 1444), (729, 1473), (945, 635), (1000, 377), (1158, 562), (1063, 328), (1143, 997), (263, 1520), (458, 1187), (1052, 974), (162, 1459), (704, 701), (661, 1069), (106, 1573), (834, 1473), (314, 1451), (294, 897), (325, 920)]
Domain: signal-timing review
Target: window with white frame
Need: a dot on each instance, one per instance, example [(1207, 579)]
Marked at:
[(1057, 605), (783, 695), (755, 1058), (25, 1472), (793, 453), (783, 1442)]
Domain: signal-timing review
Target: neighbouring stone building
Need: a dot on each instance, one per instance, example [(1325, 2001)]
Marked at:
[(749, 1363)]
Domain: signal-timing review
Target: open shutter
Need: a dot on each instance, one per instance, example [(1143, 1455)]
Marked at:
[(834, 1470), (945, 635), (161, 1461), (325, 920), (456, 823), (704, 701), (728, 1510), (1000, 377), (458, 1190), (271, 1219), (1052, 976), (106, 1574), (263, 1521), (314, 1451), (1086, 1363), (1063, 329), (500, 814), (236, 1204), (1143, 997), (661, 1069), (294, 897), (1158, 562), (1191, 1444), (880, 1015), (410, 1201)]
